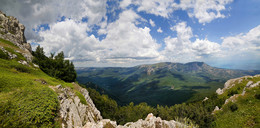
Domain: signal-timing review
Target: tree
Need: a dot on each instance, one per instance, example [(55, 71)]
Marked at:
[(55, 66)]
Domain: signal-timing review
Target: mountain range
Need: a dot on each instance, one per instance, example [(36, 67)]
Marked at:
[(163, 83)]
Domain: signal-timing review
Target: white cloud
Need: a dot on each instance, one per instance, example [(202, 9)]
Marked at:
[(125, 40), (157, 7), (70, 37), (205, 47), (124, 43), (235, 51), (125, 3), (32, 13), (159, 30), (152, 22), (204, 10), (243, 42), (182, 49)]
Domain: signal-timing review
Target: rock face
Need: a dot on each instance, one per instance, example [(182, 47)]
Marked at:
[(73, 113), (13, 31)]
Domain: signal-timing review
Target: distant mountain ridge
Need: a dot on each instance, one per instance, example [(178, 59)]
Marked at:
[(159, 83)]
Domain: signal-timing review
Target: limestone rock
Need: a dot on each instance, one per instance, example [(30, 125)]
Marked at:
[(205, 99), (230, 83), (13, 31), (72, 112), (152, 122)]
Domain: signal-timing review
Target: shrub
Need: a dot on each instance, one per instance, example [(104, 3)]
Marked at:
[(257, 96), (233, 107), (3, 55), (21, 68)]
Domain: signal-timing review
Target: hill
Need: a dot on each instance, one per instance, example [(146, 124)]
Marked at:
[(163, 83), (242, 103)]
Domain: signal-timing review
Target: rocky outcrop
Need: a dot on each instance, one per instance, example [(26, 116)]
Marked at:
[(232, 82), (13, 31), (150, 122), (73, 113)]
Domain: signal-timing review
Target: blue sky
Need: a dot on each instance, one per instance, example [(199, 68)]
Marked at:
[(222, 33)]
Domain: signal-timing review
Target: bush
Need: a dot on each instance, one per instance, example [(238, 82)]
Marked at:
[(233, 107), (3, 55), (257, 96)]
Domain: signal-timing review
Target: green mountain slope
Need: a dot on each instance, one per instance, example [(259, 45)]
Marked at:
[(242, 108), (162, 83)]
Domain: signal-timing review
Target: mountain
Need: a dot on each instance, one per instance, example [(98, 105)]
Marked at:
[(162, 83)]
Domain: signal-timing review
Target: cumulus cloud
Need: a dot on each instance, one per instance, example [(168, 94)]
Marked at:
[(33, 13), (204, 10), (70, 37), (159, 30), (243, 42), (205, 47), (124, 42), (182, 49)]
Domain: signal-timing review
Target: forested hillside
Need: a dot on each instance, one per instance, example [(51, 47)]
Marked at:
[(163, 83)]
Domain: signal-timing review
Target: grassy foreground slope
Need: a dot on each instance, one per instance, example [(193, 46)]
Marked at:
[(25, 98)]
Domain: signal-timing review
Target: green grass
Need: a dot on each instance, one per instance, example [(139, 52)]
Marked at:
[(247, 113), (24, 100), (7, 42), (81, 97), (19, 55)]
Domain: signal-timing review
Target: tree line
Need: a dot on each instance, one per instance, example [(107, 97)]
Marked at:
[(55, 66), (199, 112)]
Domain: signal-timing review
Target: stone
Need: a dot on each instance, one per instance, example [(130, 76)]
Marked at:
[(72, 112), (13, 31), (205, 99)]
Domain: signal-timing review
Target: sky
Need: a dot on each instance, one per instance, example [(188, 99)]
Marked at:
[(123, 33)]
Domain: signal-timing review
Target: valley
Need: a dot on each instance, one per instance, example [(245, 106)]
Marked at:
[(162, 83)]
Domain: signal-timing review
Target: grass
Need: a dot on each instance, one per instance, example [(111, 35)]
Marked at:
[(24, 101), (19, 55), (7, 42), (81, 97)]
